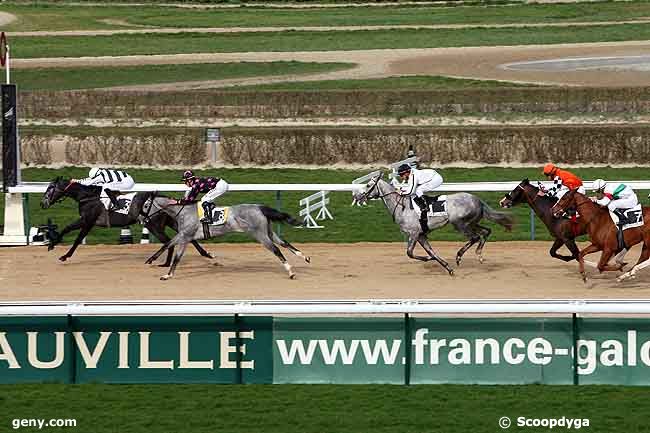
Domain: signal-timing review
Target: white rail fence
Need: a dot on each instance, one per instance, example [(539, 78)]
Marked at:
[(380, 306)]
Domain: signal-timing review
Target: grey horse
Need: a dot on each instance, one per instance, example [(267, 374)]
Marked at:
[(253, 219), (464, 211)]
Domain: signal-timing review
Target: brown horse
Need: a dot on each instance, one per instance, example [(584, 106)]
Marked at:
[(603, 233)]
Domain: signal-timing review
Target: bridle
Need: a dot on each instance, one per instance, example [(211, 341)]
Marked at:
[(147, 216), (400, 201)]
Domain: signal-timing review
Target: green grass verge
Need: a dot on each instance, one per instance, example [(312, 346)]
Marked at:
[(321, 408), (371, 223), (77, 17), (88, 78), (148, 44), (420, 82)]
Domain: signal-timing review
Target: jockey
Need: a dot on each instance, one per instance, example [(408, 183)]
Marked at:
[(563, 182), (615, 196), (419, 181), (212, 186), (111, 181)]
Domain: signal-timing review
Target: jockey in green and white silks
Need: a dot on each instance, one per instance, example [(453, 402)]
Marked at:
[(615, 196)]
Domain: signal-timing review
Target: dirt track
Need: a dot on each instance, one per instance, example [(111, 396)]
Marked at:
[(247, 271)]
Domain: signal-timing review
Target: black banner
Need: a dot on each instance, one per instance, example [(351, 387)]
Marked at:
[(9, 137)]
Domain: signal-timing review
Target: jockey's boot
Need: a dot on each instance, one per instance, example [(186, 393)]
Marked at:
[(112, 195), (622, 220), (207, 212), (422, 204)]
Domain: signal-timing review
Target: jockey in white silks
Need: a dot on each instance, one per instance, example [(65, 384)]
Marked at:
[(419, 182), (615, 196), (111, 181)]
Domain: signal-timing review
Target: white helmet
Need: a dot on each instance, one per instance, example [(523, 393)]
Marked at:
[(93, 172), (599, 185)]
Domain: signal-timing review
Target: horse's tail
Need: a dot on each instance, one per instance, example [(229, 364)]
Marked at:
[(275, 215), (502, 218)]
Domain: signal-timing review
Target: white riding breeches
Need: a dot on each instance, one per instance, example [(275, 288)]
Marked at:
[(623, 203), (122, 185), (220, 188), (428, 186), (564, 190)]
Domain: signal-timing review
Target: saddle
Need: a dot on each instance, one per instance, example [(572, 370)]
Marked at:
[(436, 205), (628, 218)]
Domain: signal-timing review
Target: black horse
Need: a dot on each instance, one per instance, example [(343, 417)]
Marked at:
[(92, 213), (563, 230)]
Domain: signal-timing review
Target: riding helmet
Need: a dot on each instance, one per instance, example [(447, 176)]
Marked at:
[(549, 169), (187, 175), (403, 169)]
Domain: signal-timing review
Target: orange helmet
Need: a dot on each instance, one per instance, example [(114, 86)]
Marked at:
[(549, 169)]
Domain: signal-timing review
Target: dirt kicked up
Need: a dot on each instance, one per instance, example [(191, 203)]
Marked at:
[(342, 271)]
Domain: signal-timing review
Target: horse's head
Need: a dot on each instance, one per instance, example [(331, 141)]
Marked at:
[(516, 196), (55, 192), (370, 191), (567, 201)]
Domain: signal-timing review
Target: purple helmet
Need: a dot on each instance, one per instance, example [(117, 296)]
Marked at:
[(187, 175)]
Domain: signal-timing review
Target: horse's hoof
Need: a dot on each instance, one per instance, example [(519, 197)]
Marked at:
[(148, 261), (50, 247), (451, 273), (63, 258), (217, 264), (292, 276), (165, 277), (481, 259), (458, 260), (307, 259)]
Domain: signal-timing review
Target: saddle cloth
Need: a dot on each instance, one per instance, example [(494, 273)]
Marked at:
[(219, 214), (634, 217), (436, 205), (123, 199)]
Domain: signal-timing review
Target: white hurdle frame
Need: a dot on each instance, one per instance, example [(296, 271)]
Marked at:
[(323, 213)]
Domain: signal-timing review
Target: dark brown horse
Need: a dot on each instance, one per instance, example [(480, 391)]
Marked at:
[(93, 213), (603, 233), (563, 230)]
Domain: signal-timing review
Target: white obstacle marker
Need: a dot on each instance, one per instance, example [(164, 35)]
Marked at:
[(317, 201)]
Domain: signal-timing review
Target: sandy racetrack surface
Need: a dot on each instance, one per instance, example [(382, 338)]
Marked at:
[(343, 271)]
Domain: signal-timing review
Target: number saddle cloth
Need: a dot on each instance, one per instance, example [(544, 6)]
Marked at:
[(124, 201), (219, 214), (634, 217), (436, 205)]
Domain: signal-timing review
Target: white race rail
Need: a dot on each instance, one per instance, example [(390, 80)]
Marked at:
[(385, 306), (40, 187)]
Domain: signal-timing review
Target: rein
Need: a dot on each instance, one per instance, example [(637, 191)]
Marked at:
[(383, 196), (147, 216)]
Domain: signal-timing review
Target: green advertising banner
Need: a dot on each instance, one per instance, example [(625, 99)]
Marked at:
[(136, 350), (397, 350), (488, 351), (614, 351), (336, 350)]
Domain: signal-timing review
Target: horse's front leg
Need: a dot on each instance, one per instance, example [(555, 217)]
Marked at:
[(409, 251), (429, 249), (581, 259), (80, 237), (177, 258), (158, 253), (71, 227)]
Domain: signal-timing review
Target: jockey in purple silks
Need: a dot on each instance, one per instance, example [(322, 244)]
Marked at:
[(212, 186)]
